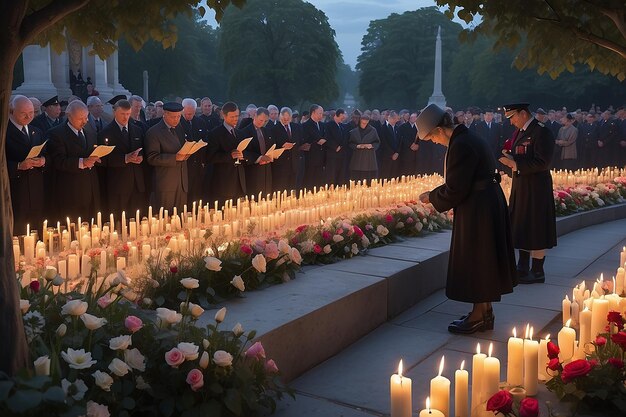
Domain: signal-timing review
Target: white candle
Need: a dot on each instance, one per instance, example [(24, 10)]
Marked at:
[(85, 266), (145, 252), (575, 313), (123, 226), (62, 269), (531, 376), (121, 263), (515, 360), (566, 339), (440, 391), (99, 220), (72, 266), (401, 402), (585, 328), (619, 280), (111, 222), (543, 359), (103, 263), (599, 317), (622, 256), (566, 304), (430, 412), (29, 247), (491, 375), (461, 400), (478, 361)]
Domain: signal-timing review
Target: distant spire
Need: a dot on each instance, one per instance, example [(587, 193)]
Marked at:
[(438, 97)]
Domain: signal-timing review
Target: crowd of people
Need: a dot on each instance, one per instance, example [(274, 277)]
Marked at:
[(321, 147)]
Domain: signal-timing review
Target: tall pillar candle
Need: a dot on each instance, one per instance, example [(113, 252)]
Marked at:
[(620, 280), (598, 317), (29, 247), (72, 266), (542, 360), (478, 362), (461, 399), (103, 263), (85, 266), (401, 401), (566, 306), (120, 263), (515, 360), (531, 376), (566, 339), (622, 256), (440, 391), (491, 375), (585, 328)]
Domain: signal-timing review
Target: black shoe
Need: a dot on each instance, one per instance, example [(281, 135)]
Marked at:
[(488, 317), (532, 278), (522, 274), (469, 327)]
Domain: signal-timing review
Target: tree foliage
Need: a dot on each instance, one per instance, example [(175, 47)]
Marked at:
[(281, 51), (554, 35)]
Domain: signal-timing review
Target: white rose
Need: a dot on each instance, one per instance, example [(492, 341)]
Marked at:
[(92, 322), (77, 392), (78, 359), (168, 316), (365, 241), (50, 273), (120, 342), (24, 306), (119, 367), (259, 263), (190, 283), (283, 246), (238, 329), (190, 350), (42, 366), (220, 315), (327, 249), (382, 230), (135, 359), (204, 360), (294, 256), (195, 310), (61, 330), (213, 264), (205, 343), (419, 226), (399, 225), (97, 410), (355, 249), (222, 358), (103, 380), (74, 308), (337, 238), (238, 283)]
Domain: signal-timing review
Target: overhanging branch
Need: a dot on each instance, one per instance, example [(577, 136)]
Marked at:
[(40, 20)]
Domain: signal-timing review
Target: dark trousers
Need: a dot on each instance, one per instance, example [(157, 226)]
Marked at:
[(335, 171)]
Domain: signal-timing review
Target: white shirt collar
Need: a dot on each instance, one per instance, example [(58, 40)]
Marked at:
[(73, 128), (527, 124), (19, 127)]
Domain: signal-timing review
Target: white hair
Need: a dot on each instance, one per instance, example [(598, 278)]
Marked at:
[(251, 107), (135, 97), (93, 100), (75, 106), (272, 107), (189, 102), (15, 101), (286, 110)]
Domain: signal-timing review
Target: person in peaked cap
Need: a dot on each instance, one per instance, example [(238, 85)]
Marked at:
[(531, 203), (163, 141), (477, 274), (117, 98), (50, 117)]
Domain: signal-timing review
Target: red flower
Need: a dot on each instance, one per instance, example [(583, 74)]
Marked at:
[(326, 235), (317, 248), (600, 341), (389, 218), (575, 369), (246, 249), (300, 229), (616, 318), (501, 402), (554, 364), (620, 339), (553, 350), (358, 231), (339, 231), (616, 362), (34, 285), (508, 144), (529, 407), (593, 362), (173, 269)]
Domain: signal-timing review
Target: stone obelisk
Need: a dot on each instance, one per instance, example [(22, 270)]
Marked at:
[(438, 98)]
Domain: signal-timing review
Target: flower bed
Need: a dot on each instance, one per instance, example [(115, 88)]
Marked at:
[(574, 199)]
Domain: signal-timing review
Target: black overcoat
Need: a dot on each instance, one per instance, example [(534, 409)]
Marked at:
[(481, 265)]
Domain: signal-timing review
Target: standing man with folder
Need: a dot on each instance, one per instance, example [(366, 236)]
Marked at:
[(258, 169)]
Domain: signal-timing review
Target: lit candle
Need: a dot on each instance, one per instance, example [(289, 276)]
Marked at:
[(566, 304), (461, 404), (29, 247), (112, 222), (440, 391), (566, 339), (123, 226), (72, 266), (620, 280), (99, 220), (62, 269), (491, 375), (585, 328), (103, 263), (401, 404), (599, 314), (478, 361), (543, 359), (430, 412), (622, 256), (515, 360), (531, 376)]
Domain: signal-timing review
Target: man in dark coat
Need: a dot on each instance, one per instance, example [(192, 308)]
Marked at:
[(210, 117), (229, 178), (336, 149), (390, 148), (491, 131), (314, 148), (608, 141), (531, 203), (50, 117), (25, 174), (170, 178), (125, 181), (76, 185), (552, 123), (409, 146), (588, 141), (258, 168), (287, 134), (195, 130)]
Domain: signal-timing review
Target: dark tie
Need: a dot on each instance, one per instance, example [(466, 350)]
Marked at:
[(318, 125), (126, 136), (82, 139), (259, 135), (288, 128), (25, 133)]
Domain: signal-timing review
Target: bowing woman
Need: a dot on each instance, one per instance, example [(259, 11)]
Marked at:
[(481, 265)]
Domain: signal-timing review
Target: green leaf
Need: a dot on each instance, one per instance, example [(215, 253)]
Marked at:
[(128, 403), (216, 388), (24, 400), (232, 400), (54, 394), (36, 382)]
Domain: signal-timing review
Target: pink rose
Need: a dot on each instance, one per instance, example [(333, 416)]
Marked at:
[(133, 323), (600, 341), (339, 232), (270, 367), (358, 231), (317, 248), (195, 379), (104, 301), (369, 226), (174, 357), (256, 351), (271, 251), (326, 235), (576, 369), (409, 220)]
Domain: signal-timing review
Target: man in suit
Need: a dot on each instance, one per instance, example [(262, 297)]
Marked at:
[(314, 142), (76, 187), (25, 174), (248, 116), (552, 123), (287, 135), (336, 149), (229, 177), (125, 182), (195, 130), (136, 115), (390, 148), (163, 141), (50, 117), (409, 146), (273, 120), (258, 167), (531, 205), (491, 132), (210, 117), (97, 117), (608, 141), (588, 141)]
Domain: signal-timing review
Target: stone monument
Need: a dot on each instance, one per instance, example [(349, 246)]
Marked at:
[(437, 97)]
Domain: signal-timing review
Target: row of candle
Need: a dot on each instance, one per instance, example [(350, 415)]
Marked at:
[(485, 383), (567, 178), (525, 364)]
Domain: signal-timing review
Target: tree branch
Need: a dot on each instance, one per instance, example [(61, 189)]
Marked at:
[(40, 20), (605, 43), (617, 16)]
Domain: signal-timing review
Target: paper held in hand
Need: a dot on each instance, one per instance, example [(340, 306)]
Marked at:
[(102, 150), (35, 151), (274, 153), (189, 148), (244, 144)]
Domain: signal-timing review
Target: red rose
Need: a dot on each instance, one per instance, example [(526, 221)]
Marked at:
[(34, 285), (600, 341), (616, 318), (358, 231), (508, 144), (593, 362), (554, 364), (620, 339), (529, 407), (339, 231), (301, 228), (616, 362), (317, 248), (246, 249), (553, 350), (173, 269), (575, 369), (389, 218), (326, 235), (501, 401)]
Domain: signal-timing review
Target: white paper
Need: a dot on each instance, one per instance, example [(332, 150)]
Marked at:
[(244, 144), (270, 151), (102, 151), (189, 148), (35, 151)]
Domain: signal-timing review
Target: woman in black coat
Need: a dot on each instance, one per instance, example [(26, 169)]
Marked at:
[(364, 142), (481, 266)]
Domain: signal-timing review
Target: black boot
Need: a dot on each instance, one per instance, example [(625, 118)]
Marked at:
[(523, 263), (537, 275)]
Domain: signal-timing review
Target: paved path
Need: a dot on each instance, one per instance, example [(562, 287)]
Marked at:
[(355, 382)]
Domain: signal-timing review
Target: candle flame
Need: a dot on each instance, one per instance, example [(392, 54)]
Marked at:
[(428, 404), (478, 348), (548, 337), (514, 332), (490, 348), (531, 333), (527, 329), (567, 298), (568, 322), (462, 364), (400, 368), (613, 285), (441, 366), (601, 278), (586, 308)]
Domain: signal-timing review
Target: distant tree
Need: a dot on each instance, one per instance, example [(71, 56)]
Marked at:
[(348, 82), (558, 34), (279, 51), (397, 58), (188, 68), (97, 22)]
